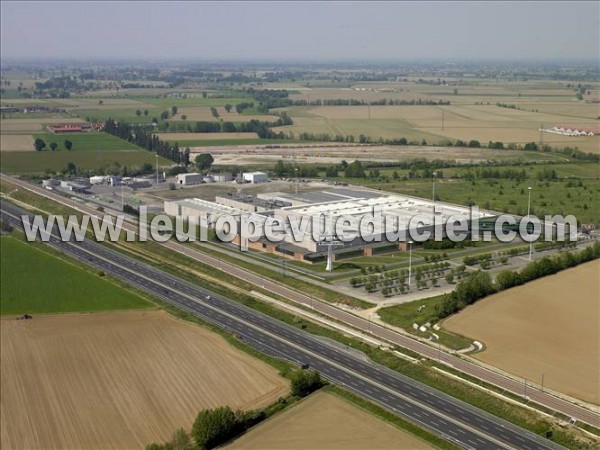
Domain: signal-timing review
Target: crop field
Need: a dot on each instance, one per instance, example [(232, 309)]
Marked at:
[(473, 113), (90, 151), (549, 327), (65, 287), (126, 114), (194, 100), (548, 197), (16, 142), (38, 162), (29, 126), (118, 380), (180, 137), (203, 113), (107, 103), (87, 141), (328, 422)]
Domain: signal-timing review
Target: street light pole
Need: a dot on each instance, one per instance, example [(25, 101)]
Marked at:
[(409, 261), (433, 187), (528, 211), (156, 154), (542, 382)]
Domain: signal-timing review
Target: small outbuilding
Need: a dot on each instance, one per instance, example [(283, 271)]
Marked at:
[(255, 177), (189, 179)]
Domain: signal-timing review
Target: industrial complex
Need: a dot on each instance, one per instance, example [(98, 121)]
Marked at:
[(316, 211)]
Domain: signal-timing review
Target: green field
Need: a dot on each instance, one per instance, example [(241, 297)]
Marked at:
[(86, 141), (167, 103), (34, 282), (127, 115), (563, 196), (38, 162), (406, 314)]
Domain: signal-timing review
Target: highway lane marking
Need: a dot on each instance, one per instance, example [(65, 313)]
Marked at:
[(77, 248), (318, 356), (208, 259)]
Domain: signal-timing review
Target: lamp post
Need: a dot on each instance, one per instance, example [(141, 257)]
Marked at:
[(156, 154), (409, 262), (296, 183), (528, 211)]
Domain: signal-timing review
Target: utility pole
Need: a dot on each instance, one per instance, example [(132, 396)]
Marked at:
[(433, 187), (156, 154), (409, 262), (528, 211), (542, 382), (442, 119), (541, 134)]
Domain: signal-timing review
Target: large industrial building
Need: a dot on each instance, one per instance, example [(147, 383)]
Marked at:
[(318, 207)]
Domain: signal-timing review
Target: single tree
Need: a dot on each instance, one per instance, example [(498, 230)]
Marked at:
[(53, 146), (71, 168), (68, 144), (39, 144), (138, 113), (204, 161), (146, 113)]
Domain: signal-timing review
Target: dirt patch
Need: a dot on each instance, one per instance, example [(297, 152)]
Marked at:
[(118, 380), (550, 326), (327, 422), (16, 143), (204, 136)]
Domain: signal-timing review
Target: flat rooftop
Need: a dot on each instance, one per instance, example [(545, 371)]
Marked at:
[(403, 207), (206, 206)]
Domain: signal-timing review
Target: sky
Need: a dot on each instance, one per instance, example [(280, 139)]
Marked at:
[(311, 31)]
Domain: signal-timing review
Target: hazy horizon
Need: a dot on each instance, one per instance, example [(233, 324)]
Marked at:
[(302, 32)]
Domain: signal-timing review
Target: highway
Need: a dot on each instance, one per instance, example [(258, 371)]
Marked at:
[(443, 415), (469, 367)]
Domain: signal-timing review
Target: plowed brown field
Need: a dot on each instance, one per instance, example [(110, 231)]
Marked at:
[(324, 421), (118, 380), (550, 326)]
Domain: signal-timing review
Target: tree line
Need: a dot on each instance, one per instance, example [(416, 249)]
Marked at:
[(40, 145), (480, 284), (261, 127), (143, 136)]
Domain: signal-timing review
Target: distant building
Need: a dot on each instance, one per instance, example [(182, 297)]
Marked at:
[(70, 128), (189, 179), (115, 180), (575, 130), (222, 176), (255, 177)]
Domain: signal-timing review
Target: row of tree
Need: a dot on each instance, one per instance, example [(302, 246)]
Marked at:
[(40, 145), (144, 137)]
